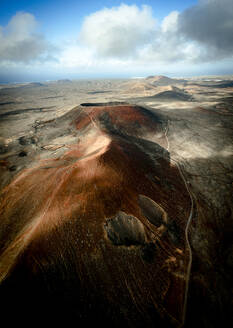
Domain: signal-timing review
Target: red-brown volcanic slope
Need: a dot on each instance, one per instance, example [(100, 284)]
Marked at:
[(97, 235)]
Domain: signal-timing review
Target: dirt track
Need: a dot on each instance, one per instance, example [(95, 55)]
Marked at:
[(189, 267)]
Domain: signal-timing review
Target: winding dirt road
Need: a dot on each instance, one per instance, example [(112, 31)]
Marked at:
[(186, 230)]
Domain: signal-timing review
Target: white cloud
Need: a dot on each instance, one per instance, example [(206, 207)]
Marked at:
[(169, 23), (20, 43), (75, 56), (132, 36), (119, 31)]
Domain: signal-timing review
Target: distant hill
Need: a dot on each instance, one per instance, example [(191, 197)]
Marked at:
[(139, 86), (32, 85), (64, 81), (171, 93), (160, 80), (219, 84)]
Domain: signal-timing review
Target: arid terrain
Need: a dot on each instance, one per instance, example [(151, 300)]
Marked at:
[(116, 202)]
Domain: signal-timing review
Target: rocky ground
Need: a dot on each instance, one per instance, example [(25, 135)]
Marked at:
[(46, 135)]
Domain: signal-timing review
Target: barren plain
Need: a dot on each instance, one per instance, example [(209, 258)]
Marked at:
[(116, 201)]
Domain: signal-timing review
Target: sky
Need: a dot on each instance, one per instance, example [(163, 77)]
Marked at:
[(56, 39)]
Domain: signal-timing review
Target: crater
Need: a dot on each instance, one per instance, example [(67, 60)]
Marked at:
[(22, 153), (112, 103), (27, 140)]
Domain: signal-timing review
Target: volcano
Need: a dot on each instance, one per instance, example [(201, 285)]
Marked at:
[(93, 229)]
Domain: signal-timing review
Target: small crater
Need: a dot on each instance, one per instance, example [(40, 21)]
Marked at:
[(22, 153), (3, 149), (24, 141), (34, 140), (27, 140), (124, 229), (13, 168)]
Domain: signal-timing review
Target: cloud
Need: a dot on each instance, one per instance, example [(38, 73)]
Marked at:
[(20, 43), (131, 35), (118, 31), (168, 46), (209, 25), (169, 23), (201, 33)]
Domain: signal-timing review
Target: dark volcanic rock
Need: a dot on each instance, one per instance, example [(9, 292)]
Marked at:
[(148, 252), (125, 230), (174, 233), (152, 211)]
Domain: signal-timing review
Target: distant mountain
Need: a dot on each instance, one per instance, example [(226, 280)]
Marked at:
[(170, 93), (160, 80), (32, 84), (64, 81), (139, 86)]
